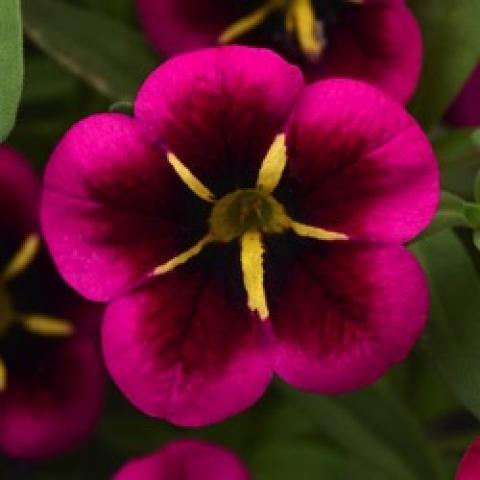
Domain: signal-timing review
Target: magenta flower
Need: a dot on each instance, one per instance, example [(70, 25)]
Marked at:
[(50, 373), (186, 460), (377, 41), (469, 468), (465, 111), (241, 227)]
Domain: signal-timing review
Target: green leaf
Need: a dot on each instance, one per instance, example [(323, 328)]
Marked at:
[(453, 334), (452, 47), (376, 428), (11, 64), (109, 56), (122, 107)]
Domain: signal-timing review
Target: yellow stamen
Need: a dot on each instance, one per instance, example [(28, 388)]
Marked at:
[(252, 268), (47, 326), (3, 375), (246, 24), (190, 180), (301, 20), (23, 258), (183, 257), (316, 232), (273, 165)]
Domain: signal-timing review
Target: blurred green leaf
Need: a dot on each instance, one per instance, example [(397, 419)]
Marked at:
[(452, 48), (452, 337), (122, 107), (108, 55), (376, 428), (11, 64)]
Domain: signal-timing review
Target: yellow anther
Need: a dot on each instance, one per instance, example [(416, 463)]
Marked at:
[(248, 23), (301, 20), (190, 180), (23, 258), (3, 375), (273, 165), (47, 326), (183, 257), (253, 275), (316, 232)]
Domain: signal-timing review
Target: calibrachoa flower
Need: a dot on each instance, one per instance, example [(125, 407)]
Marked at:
[(469, 468), (186, 460), (241, 224), (465, 111), (50, 376), (377, 41)]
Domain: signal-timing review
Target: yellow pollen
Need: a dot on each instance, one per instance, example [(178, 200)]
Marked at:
[(251, 255), (47, 326), (190, 180), (273, 165), (3, 375), (23, 258)]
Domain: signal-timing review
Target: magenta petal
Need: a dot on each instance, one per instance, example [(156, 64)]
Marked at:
[(469, 468), (101, 213), (19, 194), (367, 167), (465, 111), (219, 109), (175, 26), (186, 460), (54, 408), (180, 351), (381, 44), (348, 312)]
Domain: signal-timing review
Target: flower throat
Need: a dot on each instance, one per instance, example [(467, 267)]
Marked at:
[(292, 24)]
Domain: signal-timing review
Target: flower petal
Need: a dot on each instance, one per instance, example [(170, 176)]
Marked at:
[(465, 111), (361, 163), (347, 312), (175, 26), (219, 110), (113, 208), (379, 42), (470, 465), (19, 194), (185, 349), (54, 404), (188, 460)]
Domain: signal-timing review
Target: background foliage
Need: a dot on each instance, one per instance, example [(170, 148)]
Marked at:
[(86, 56)]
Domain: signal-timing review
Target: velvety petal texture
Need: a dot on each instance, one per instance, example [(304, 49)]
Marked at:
[(183, 344), (465, 111), (378, 42), (186, 460), (55, 405), (344, 318), (366, 167), (180, 351), (469, 468)]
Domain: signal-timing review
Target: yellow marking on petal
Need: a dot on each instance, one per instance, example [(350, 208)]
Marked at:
[(47, 326), (183, 257), (301, 20), (252, 268), (316, 232), (246, 24), (273, 165), (3, 375), (23, 258), (190, 180)]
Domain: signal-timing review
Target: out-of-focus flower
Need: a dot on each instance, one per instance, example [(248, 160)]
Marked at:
[(186, 460), (377, 41), (241, 225), (465, 111), (469, 468), (51, 384)]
